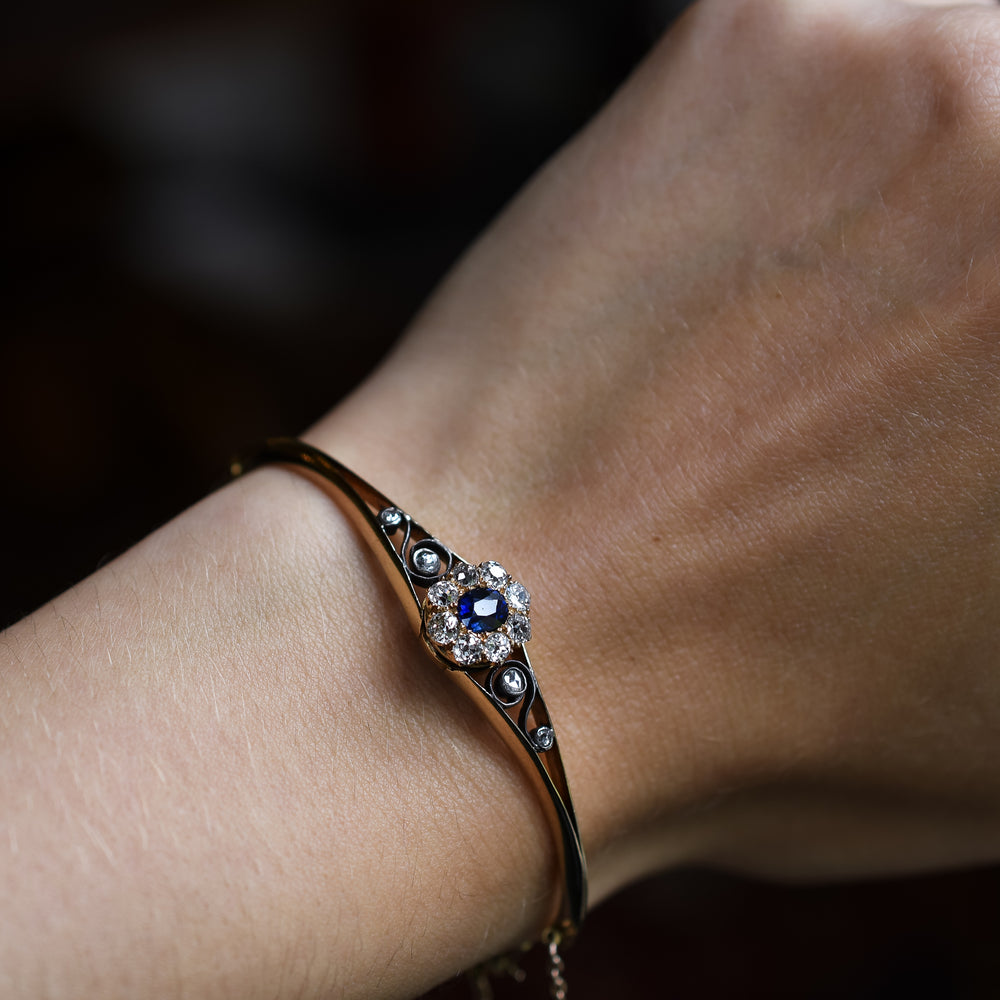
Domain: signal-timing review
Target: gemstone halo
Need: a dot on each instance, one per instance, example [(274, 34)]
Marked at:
[(475, 615)]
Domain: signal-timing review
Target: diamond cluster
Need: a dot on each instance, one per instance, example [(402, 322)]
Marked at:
[(477, 614)]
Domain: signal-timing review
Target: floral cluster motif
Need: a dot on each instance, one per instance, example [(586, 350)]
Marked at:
[(476, 615)]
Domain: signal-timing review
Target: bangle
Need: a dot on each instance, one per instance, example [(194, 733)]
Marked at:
[(475, 621)]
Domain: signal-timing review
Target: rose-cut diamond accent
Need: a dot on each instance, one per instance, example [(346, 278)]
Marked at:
[(426, 561), (519, 628), (518, 598), (444, 593), (390, 517), (496, 646), (543, 738), (492, 574), (512, 682), (443, 628), (467, 649)]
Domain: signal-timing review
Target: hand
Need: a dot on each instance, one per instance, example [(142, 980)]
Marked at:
[(723, 384)]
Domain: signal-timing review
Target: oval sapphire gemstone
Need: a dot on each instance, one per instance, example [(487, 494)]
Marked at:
[(482, 610)]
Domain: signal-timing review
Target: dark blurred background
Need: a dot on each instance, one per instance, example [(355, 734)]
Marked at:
[(217, 219)]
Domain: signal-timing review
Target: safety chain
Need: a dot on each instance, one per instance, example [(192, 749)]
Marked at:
[(480, 976), (557, 967)]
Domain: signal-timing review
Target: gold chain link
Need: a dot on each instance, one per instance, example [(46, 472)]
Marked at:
[(480, 977), (557, 968)]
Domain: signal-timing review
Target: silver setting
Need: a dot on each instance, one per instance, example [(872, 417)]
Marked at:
[(426, 561), (512, 682), (543, 738), (391, 517)]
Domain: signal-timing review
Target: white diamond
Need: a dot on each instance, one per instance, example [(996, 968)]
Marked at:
[(466, 576), (442, 627), (543, 737), (518, 598), (497, 647), (519, 628), (512, 681), (443, 593), (391, 517), (492, 574), (467, 649), (426, 561)]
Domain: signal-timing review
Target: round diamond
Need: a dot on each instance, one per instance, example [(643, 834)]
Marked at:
[(467, 649), (426, 561), (466, 576), (519, 628), (497, 647), (518, 598), (482, 609), (390, 517), (512, 682), (493, 574), (442, 627), (543, 738), (444, 593)]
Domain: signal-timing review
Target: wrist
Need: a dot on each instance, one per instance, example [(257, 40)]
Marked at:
[(638, 769)]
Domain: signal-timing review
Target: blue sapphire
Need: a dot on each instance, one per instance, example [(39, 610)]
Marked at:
[(482, 610)]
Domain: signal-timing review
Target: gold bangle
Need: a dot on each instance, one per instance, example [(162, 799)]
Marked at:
[(475, 620)]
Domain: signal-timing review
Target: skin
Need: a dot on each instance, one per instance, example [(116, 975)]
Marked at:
[(738, 344)]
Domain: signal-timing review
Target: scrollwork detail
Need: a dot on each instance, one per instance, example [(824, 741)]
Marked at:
[(424, 559), (509, 683), (425, 571)]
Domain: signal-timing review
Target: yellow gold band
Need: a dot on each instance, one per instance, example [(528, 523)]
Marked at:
[(475, 621)]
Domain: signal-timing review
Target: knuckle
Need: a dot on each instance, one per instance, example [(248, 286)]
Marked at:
[(951, 54), (961, 55), (803, 46), (915, 80)]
